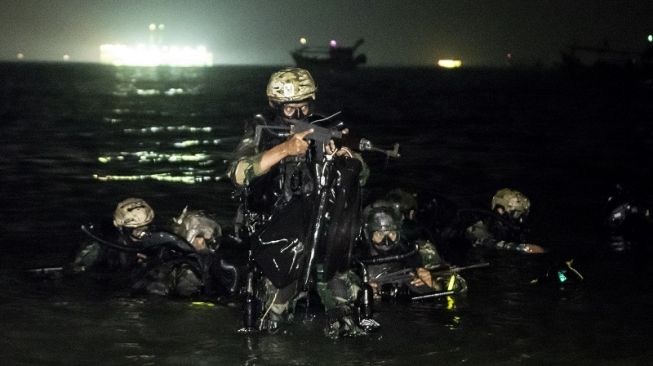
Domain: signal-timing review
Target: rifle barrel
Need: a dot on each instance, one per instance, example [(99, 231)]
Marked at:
[(433, 295)]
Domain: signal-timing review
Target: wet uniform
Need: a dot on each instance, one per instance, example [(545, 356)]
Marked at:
[(279, 204), (497, 234), (158, 274)]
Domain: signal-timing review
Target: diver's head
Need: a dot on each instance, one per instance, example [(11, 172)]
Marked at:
[(403, 201), (291, 93), (132, 216), (201, 231), (511, 204), (382, 229)]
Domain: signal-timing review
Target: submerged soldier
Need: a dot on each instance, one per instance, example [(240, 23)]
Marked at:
[(629, 223), (301, 221), (394, 264), (149, 260), (132, 218), (505, 228), (201, 272)]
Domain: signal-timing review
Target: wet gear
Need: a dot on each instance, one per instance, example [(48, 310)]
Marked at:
[(168, 265), (302, 215), (496, 231)]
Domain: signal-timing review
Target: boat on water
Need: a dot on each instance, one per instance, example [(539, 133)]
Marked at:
[(606, 62), (332, 57)]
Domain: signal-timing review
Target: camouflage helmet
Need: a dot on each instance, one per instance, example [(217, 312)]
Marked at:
[(512, 201), (291, 85), (193, 224), (132, 213)]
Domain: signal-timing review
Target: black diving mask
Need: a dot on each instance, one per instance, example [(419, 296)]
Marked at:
[(294, 110), (384, 240)]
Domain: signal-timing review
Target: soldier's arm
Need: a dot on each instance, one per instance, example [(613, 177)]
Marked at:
[(250, 166)]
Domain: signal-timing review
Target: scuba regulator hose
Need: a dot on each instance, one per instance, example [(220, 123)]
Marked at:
[(389, 258)]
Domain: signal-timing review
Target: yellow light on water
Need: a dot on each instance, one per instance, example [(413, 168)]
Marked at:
[(450, 64), (20, 56), (66, 57)]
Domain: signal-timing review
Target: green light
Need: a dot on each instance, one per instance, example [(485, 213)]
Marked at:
[(562, 277), (650, 37)]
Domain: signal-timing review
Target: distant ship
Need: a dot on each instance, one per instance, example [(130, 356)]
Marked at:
[(333, 57), (605, 62)]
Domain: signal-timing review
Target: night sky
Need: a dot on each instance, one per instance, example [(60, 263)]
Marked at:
[(480, 32)]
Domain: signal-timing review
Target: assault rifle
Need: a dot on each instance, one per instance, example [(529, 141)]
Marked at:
[(406, 275), (321, 135)]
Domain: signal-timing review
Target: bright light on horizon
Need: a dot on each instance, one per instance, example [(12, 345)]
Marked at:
[(450, 64), (154, 55)]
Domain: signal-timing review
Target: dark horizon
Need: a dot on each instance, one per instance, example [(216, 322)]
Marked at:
[(396, 33)]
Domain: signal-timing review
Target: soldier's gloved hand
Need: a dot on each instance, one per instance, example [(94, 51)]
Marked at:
[(341, 323)]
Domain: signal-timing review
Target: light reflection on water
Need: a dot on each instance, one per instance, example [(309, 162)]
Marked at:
[(198, 155)]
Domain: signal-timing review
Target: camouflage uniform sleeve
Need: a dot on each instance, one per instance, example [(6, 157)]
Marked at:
[(429, 255), (246, 164), (480, 236), (365, 170)]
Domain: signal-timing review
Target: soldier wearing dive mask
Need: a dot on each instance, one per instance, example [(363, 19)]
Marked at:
[(132, 218), (386, 253)]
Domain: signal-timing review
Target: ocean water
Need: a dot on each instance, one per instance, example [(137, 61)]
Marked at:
[(76, 139)]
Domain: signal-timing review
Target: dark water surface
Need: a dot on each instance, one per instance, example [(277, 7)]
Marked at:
[(76, 139)]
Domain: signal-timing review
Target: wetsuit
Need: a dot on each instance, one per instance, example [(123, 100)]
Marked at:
[(108, 264)]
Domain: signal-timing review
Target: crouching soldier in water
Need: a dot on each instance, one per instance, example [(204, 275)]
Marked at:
[(147, 260), (118, 259), (505, 228), (200, 272), (300, 200), (394, 265)]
